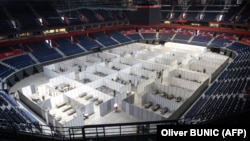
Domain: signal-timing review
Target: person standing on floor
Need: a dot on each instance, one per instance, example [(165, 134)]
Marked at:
[(116, 107), (114, 92), (162, 75)]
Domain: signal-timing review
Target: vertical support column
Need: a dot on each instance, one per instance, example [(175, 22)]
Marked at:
[(138, 99), (46, 117)]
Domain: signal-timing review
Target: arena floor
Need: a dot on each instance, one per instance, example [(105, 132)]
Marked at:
[(112, 117), (40, 78)]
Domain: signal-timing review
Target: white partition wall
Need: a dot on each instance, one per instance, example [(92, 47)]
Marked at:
[(215, 58), (108, 83), (203, 66), (127, 61), (186, 84), (100, 69), (128, 79), (62, 79), (164, 61), (172, 105), (87, 77), (51, 71), (58, 69), (143, 56), (189, 75), (57, 100), (89, 60), (127, 49), (140, 113), (121, 51), (81, 107), (140, 73), (106, 56), (117, 66), (152, 51), (152, 66), (193, 49), (169, 90)]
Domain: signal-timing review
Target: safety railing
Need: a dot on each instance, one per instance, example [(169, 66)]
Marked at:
[(87, 131)]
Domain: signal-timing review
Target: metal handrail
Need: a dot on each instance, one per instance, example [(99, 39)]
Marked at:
[(87, 131)]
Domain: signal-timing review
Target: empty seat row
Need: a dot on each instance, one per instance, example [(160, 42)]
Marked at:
[(222, 97), (12, 115), (67, 47), (134, 36), (20, 62), (148, 35), (119, 37), (8, 98), (104, 39), (5, 71), (87, 42), (43, 52)]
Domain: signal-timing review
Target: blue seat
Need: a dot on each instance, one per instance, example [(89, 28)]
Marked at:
[(21, 61), (148, 35), (67, 47), (42, 52), (5, 71), (183, 37), (218, 42), (165, 36), (119, 37), (105, 40), (87, 42), (134, 36)]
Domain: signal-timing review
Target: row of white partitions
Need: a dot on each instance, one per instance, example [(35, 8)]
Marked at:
[(140, 113), (189, 75), (203, 66), (139, 66), (214, 58), (170, 90)]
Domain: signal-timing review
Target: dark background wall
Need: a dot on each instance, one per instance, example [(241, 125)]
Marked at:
[(145, 15)]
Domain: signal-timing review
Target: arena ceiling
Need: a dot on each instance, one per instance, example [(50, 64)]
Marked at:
[(71, 4)]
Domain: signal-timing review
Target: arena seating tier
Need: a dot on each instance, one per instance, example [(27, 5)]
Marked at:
[(5, 71), (119, 37), (105, 40), (165, 36), (218, 42), (67, 47), (42, 52), (182, 38), (87, 42), (21, 61), (226, 96), (134, 36), (200, 40), (148, 35), (11, 113)]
